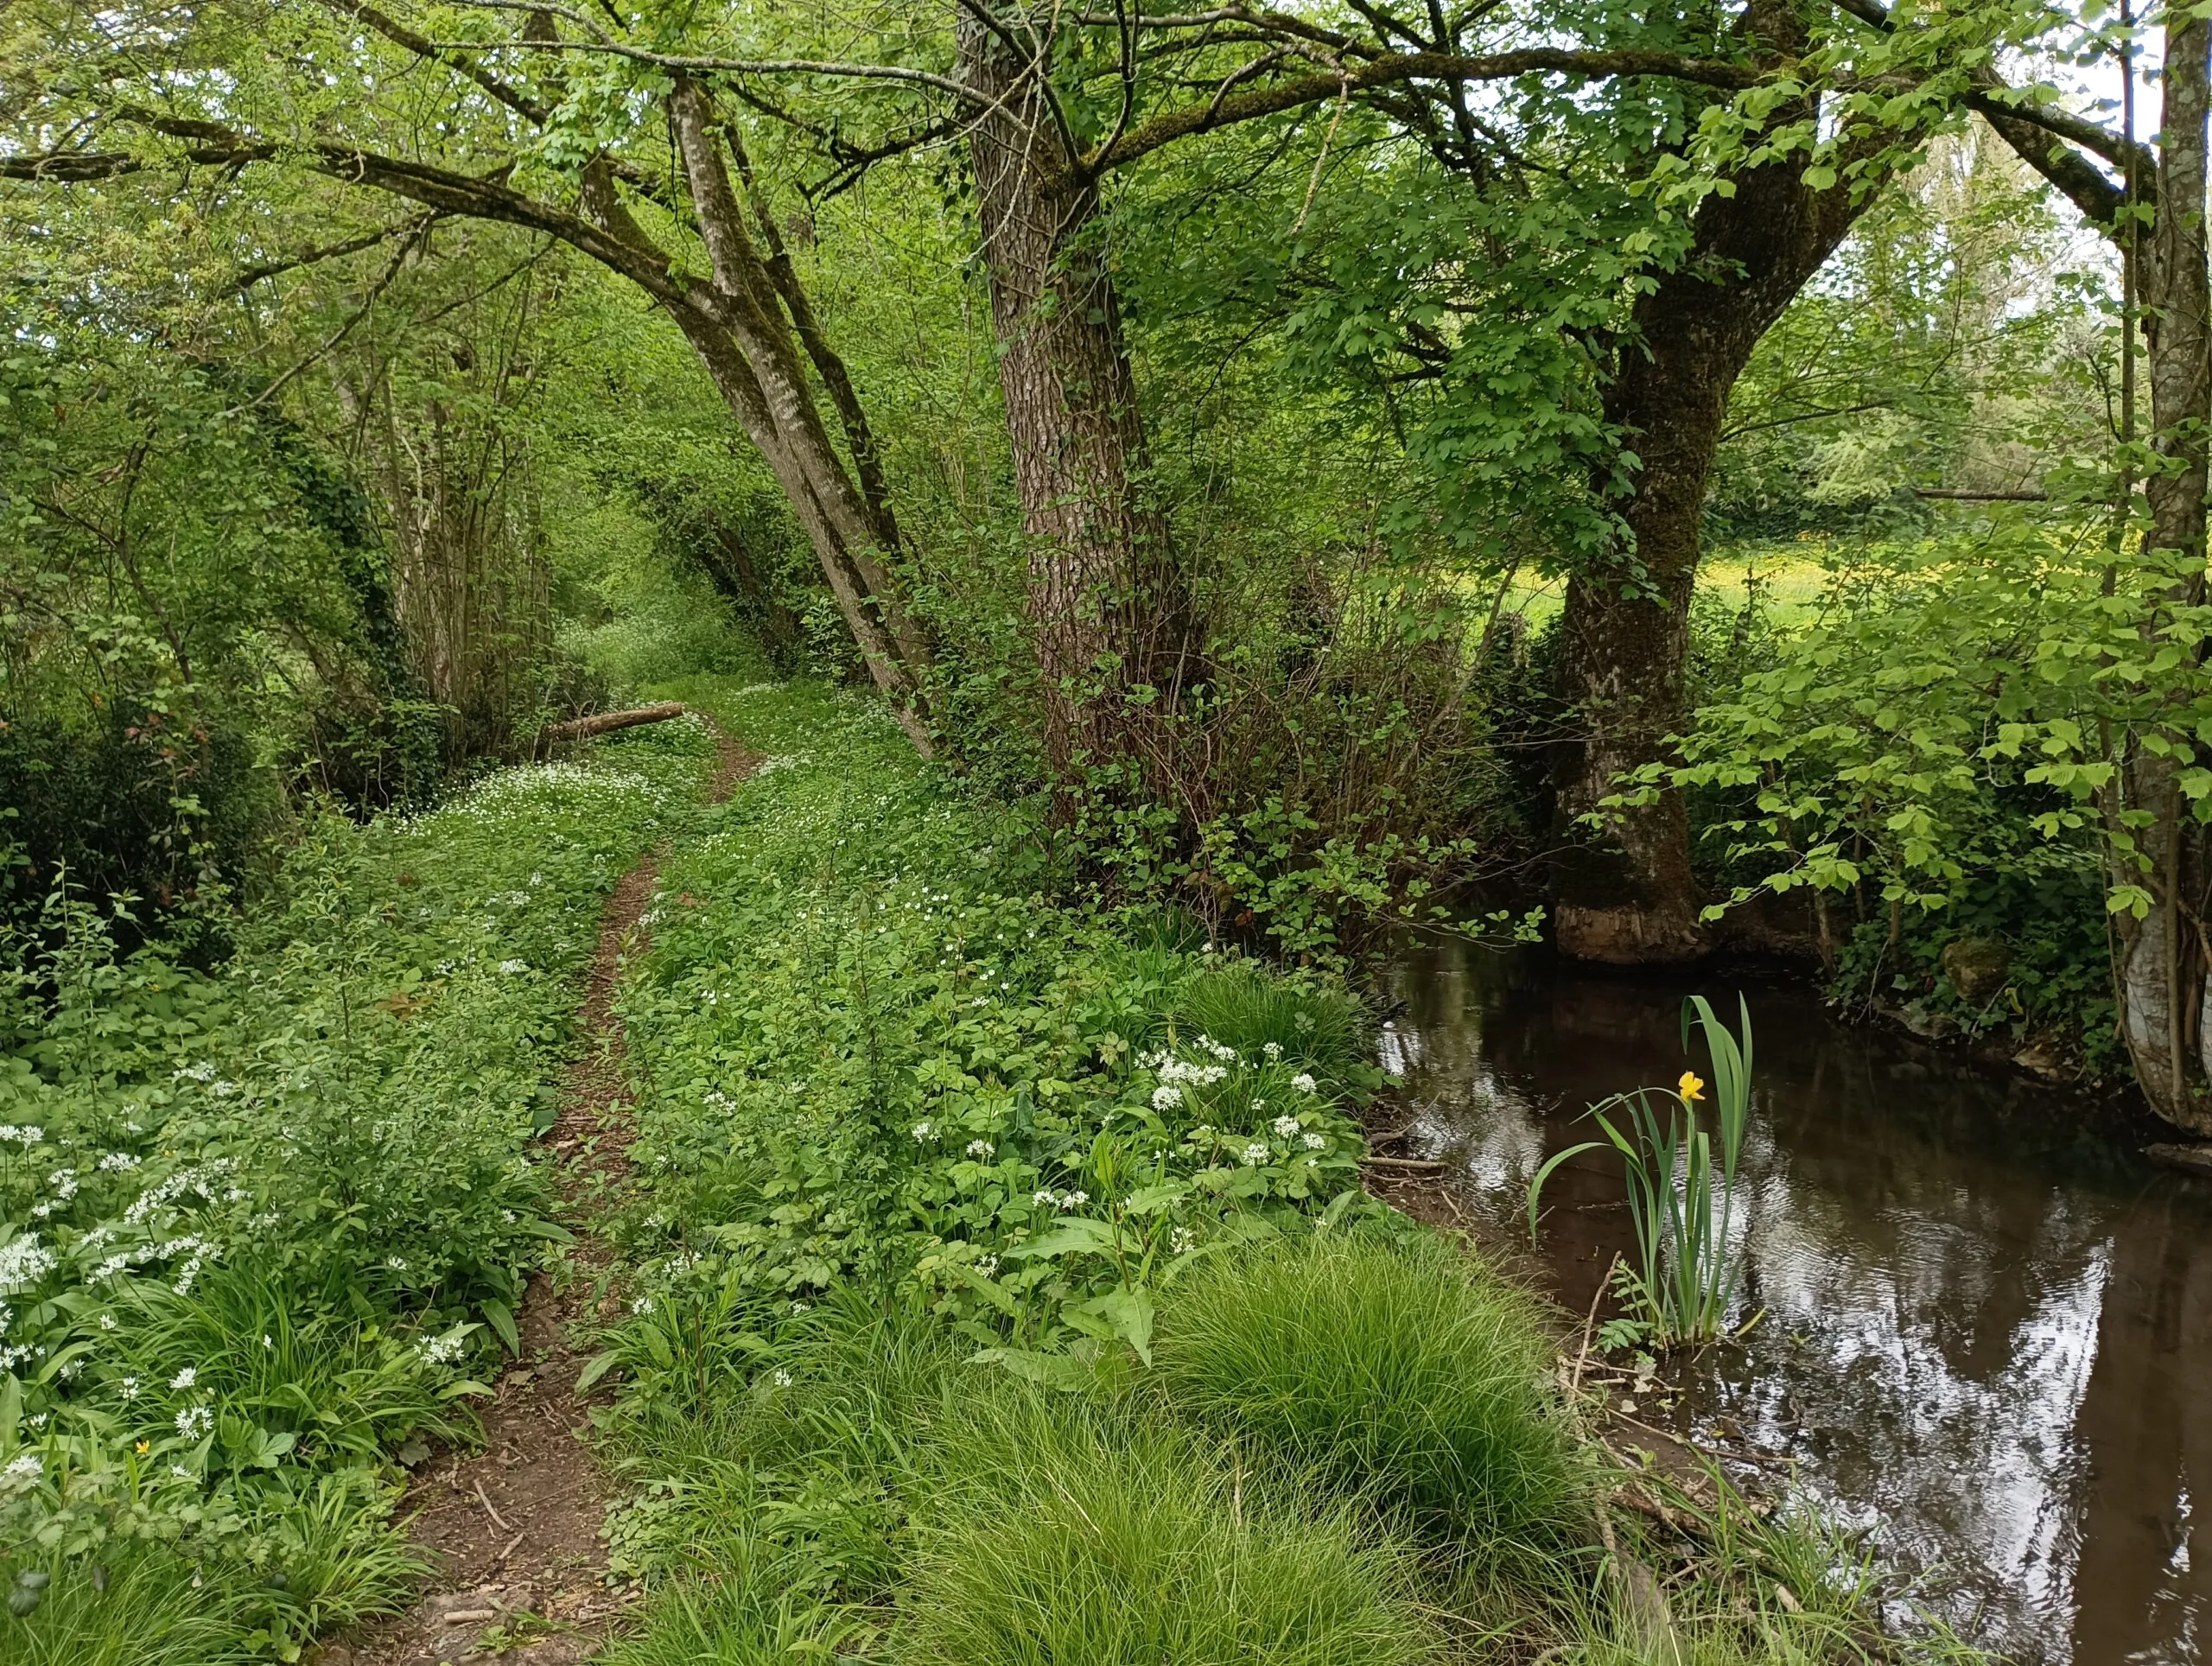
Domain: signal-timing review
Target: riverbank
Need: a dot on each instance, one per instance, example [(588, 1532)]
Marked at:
[(940, 1195), (954, 1196)]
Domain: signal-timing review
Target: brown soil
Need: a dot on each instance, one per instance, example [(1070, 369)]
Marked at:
[(513, 1530)]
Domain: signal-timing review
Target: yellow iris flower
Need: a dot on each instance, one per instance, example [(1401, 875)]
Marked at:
[(1691, 1087)]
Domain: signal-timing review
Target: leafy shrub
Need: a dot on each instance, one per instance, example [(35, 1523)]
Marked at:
[(1061, 1529), (126, 801), (1397, 1367)]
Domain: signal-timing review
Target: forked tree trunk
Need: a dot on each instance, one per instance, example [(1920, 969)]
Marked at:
[(745, 340), (1626, 893), (2160, 970), (1108, 608)]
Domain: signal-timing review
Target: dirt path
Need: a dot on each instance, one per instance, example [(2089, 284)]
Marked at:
[(514, 1529)]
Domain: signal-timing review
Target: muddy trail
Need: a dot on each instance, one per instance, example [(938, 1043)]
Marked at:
[(513, 1530)]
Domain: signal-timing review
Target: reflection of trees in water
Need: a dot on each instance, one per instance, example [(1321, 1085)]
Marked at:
[(1976, 1333), (2146, 1420)]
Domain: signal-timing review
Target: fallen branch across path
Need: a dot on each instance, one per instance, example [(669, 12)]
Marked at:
[(606, 722)]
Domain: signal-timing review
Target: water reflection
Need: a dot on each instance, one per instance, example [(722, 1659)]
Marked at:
[(1989, 1323)]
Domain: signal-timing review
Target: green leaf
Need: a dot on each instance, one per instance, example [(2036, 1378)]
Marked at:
[(503, 1321)]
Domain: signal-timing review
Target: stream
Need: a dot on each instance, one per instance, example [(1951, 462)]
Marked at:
[(1988, 1330)]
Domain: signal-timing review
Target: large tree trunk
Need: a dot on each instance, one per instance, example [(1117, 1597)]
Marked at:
[(1111, 615), (2159, 971), (1626, 893)]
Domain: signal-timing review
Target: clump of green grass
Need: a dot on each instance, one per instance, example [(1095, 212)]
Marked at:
[(1084, 1534), (1399, 1369), (758, 1603), (1245, 1008), (149, 1614), (814, 1432)]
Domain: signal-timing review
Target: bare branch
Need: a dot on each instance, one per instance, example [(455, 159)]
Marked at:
[(707, 65), (1419, 66), (352, 246), (399, 35)]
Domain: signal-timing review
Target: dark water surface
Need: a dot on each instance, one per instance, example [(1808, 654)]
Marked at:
[(1989, 1321)]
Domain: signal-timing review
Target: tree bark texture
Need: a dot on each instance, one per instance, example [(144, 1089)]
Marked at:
[(470, 589), (2160, 960), (606, 722), (1107, 605), (1628, 894)]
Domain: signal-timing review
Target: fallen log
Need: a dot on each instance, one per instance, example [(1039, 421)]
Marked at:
[(2192, 1158), (606, 722)]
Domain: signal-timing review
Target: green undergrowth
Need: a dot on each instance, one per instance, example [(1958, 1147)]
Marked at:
[(1000, 1288), (260, 1225)]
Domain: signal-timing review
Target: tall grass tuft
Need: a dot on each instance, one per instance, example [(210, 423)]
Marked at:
[(756, 1606), (152, 1612), (1087, 1535), (1403, 1370), (1245, 1008), (1681, 1189)]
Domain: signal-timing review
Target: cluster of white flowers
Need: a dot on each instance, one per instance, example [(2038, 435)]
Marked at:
[(642, 1304), (1165, 1098), (1315, 1142), (185, 1378), (782, 1378), (511, 967), (923, 1132), (1182, 1241), (1304, 1083), (1284, 1126), (1063, 1201), (117, 1162), (1173, 1069), (1254, 1154), (129, 1387), (24, 1471), (23, 1263), (64, 1182), (1274, 1051), (26, 1135), (198, 1178), (988, 1266), (981, 1150), (444, 1348), (193, 1423)]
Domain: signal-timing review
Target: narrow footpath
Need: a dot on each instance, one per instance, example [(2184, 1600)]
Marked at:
[(513, 1530)]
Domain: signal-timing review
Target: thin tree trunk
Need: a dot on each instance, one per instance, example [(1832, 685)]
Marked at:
[(1111, 615), (2159, 971)]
